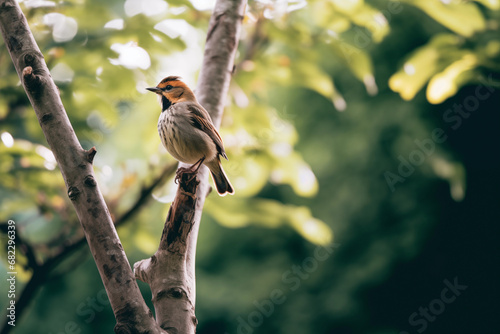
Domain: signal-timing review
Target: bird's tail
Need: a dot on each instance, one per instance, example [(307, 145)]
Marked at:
[(221, 181)]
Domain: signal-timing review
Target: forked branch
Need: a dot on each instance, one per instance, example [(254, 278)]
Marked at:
[(174, 297), (170, 272)]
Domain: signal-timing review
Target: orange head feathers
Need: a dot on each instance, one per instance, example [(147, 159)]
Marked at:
[(172, 90)]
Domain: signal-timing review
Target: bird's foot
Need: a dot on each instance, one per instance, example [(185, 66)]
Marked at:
[(193, 170), (178, 174)]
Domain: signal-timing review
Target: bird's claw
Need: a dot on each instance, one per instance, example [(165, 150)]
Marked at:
[(178, 174), (182, 170), (193, 170)]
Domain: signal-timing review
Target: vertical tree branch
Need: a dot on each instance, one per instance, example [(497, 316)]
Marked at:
[(131, 312), (170, 272)]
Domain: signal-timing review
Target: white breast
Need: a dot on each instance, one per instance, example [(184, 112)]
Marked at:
[(181, 139)]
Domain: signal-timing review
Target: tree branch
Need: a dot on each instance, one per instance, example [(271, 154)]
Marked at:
[(254, 42), (42, 271), (170, 272), (24, 247), (131, 312), (173, 291)]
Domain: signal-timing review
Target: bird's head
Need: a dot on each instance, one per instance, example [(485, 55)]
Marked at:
[(172, 90)]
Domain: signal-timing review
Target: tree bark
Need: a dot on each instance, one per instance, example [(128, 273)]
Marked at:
[(171, 271), (174, 298), (131, 312)]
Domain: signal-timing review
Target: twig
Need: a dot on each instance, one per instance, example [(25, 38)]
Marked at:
[(146, 193), (255, 42)]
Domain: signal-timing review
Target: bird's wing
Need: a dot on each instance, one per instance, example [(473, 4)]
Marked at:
[(200, 118)]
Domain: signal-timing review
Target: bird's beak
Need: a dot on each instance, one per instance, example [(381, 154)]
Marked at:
[(154, 89)]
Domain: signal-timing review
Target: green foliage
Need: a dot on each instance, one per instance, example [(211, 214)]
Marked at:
[(450, 61)]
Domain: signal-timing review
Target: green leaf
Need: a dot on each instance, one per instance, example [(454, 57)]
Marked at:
[(363, 15), (424, 63), (448, 82), (237, 212), (313, 77), (454, 173), (358, 61), (491, 4), (461, 17)]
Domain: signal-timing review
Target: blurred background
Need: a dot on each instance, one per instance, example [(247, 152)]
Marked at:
[(362, 141)]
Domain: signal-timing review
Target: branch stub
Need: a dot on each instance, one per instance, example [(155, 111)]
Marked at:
[(89, 181), (91, 154), (73, 193)]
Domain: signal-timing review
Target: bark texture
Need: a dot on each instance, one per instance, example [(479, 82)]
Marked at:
[(170, 272), (75, 163)]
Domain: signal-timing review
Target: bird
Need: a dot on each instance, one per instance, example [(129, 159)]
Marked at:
[(188, 133)]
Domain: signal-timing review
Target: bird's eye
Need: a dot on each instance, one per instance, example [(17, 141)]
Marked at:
[(169, 87)]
